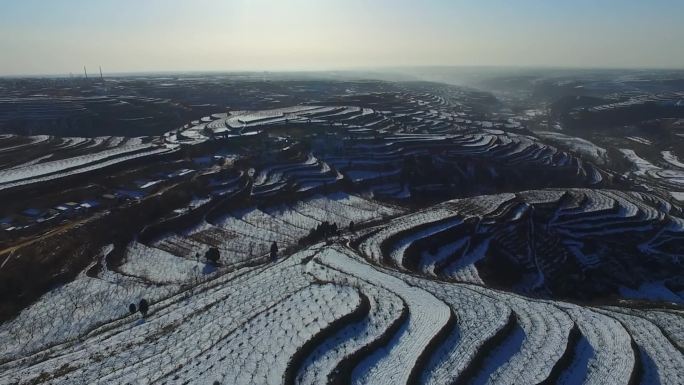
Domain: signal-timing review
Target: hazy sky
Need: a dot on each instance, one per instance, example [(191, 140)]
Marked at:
[(60, 36)]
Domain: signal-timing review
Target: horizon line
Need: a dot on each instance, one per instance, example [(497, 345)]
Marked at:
[(123, 73)]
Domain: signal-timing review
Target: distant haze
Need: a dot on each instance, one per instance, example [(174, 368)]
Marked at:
[(60, 36)]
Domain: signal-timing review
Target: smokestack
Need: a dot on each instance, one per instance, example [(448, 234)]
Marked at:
[(85, 72)]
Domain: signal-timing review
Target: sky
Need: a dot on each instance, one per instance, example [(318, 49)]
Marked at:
[(61, 36)]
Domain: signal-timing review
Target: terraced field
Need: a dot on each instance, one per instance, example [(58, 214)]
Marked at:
[(324, 315), (31, 160), (408, 305), (406, 165), (398, 236), (571, 243)]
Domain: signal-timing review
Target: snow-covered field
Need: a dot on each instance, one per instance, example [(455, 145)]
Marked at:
[(671, 178), (582, 146), (325, 314), (546, 286), (543, 233), (38, 172), (244, 236)]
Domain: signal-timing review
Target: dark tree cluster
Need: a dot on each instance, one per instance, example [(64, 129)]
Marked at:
[(143, 307), (274, 251), (212, 255), (322, 231)]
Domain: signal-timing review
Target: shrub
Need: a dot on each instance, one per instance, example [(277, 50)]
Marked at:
[(212, 255), (274, 250), (144, 307)]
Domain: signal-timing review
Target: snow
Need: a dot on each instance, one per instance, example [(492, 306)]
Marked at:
[(463, 269), (544, 330), (653, 291), (307, 316), (604, 350), (672, 159), (69, 311), (428, 316), (577, 372), (65, 167), (176, 330), (320, 214), (234, 223), (351, 207), (292, 217), (479, 319), (245, 326), (662, 362), (429, 260), (669, 321), (158, 266), (386, 309), (372, 246), (640, 140), (273, 223), (641, 165), (46, 168), (267, 343), (399, 248)]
